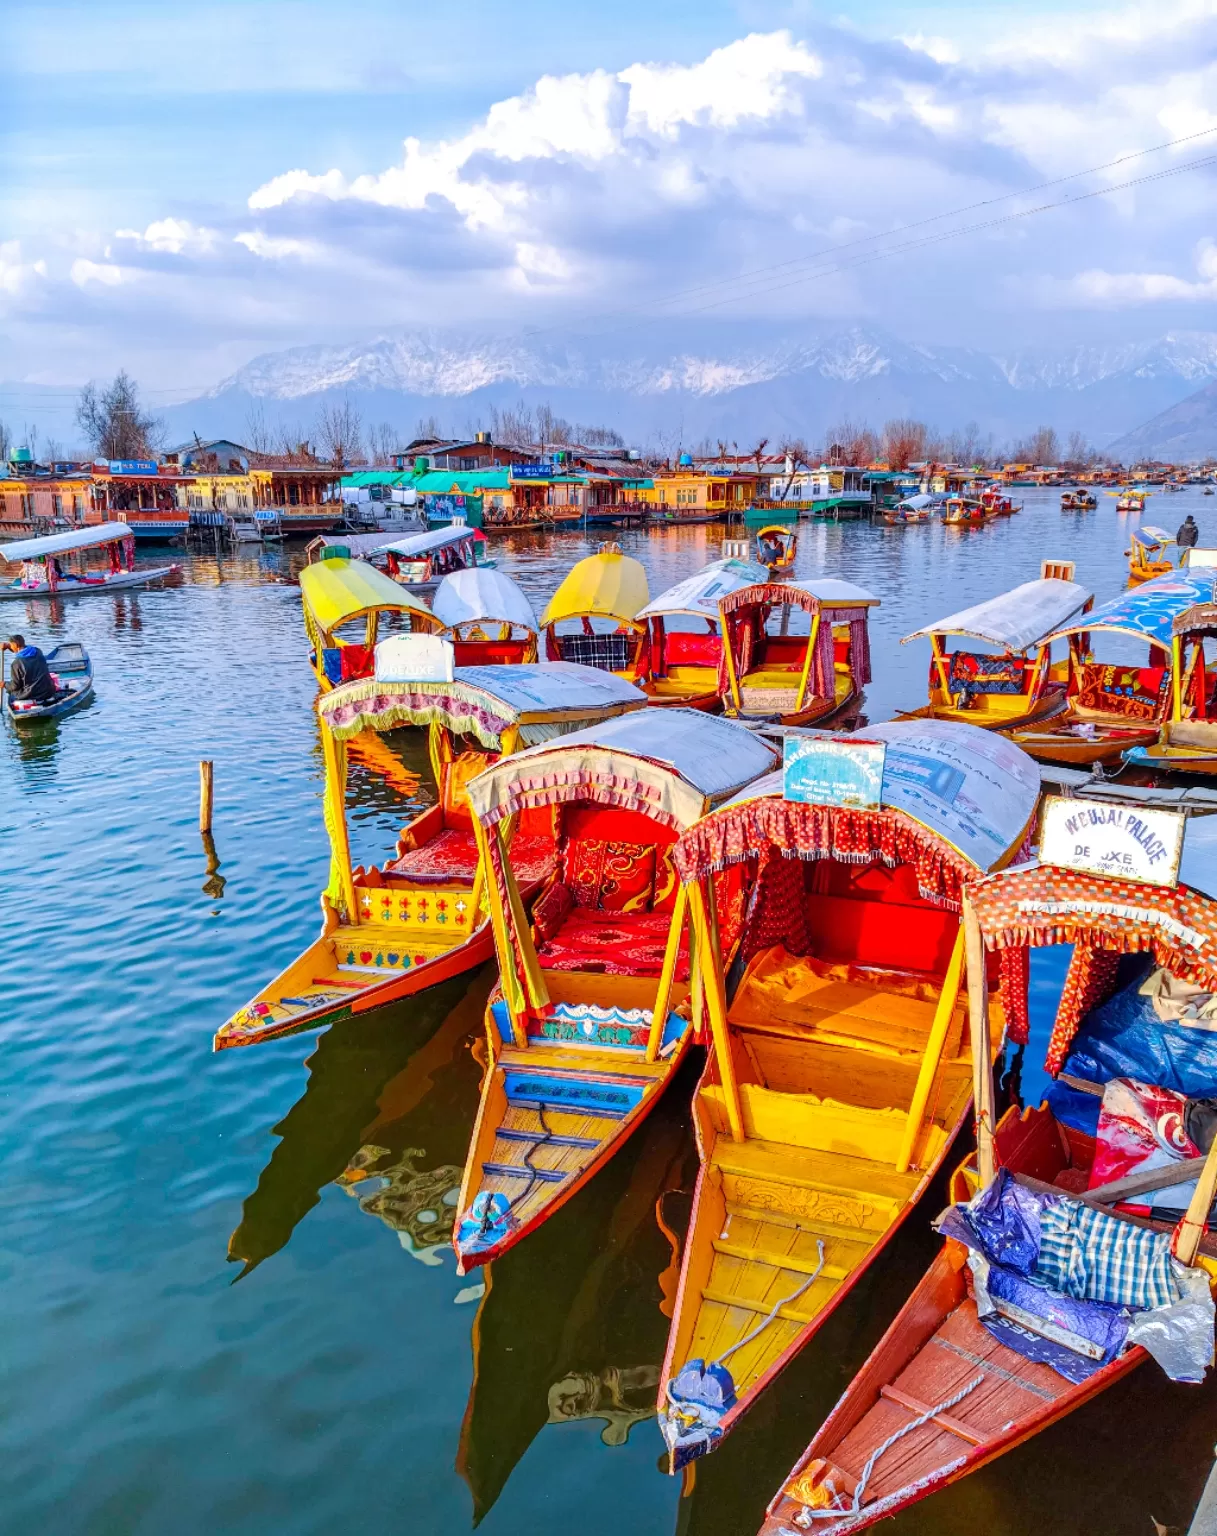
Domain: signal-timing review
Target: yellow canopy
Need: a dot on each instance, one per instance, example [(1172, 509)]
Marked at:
[(609, 584), (335, 591)]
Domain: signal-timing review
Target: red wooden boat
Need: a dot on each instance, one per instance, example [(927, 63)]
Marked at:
[(941, 1395)]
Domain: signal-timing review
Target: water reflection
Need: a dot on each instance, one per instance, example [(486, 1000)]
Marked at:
[(574, 1321), (398, 1089)]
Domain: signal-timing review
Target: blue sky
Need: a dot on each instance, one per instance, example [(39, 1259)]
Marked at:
[(184, 187)]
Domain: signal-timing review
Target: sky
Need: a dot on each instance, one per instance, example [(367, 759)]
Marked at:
[(184, 188)]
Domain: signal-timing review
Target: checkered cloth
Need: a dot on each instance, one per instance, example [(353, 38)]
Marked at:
[(611, 653), (1095, 1257)]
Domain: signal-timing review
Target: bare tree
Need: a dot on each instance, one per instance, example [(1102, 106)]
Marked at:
[(851, 442), (383, 442), (338, 430), (6, 443), (53, 449), (758, 453), (258, 434), (1042, 447), (600, 437), (903, 442), (428, 431), (513, 427), (1078, 452), (113, 422)]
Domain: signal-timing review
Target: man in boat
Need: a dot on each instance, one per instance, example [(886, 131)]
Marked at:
[(30, 677), (1189, 534)]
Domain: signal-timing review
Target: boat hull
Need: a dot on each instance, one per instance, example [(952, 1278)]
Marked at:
[(122, 582), (56, 711)]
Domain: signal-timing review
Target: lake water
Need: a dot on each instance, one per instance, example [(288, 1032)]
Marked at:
[(351, 1381)]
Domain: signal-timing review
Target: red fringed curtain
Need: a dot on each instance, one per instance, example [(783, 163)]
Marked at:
[(778, 913), (1091, 980), (1015, 978)]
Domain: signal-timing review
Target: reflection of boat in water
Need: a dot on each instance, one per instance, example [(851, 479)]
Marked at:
[(600, 1270), (402, 1084)]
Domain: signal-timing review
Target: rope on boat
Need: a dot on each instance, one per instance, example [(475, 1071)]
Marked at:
[(808, 1514), (534, 1174), (777, 1307)]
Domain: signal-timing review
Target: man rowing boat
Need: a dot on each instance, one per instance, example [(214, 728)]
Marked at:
[(30, 677)]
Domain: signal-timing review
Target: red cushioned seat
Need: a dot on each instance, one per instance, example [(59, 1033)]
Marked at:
[(451, 858), (611, 943)]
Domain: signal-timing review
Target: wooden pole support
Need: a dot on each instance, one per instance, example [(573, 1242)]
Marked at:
[(982, 1050), (205, 785)]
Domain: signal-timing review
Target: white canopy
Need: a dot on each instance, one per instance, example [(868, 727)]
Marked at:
[(1018, 619), (699, 593), (677, 762), (63, 543), (834, 593), (480, 595), (418, 544), (1147, 534)]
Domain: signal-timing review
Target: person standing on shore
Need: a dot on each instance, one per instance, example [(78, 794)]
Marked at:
[(1189, 535)]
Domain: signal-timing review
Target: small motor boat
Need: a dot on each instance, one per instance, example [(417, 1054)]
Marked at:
[(73, 673)]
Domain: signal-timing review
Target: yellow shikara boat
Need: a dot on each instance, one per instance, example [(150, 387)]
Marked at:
[(1014, 685), (338, 593), (684, 647), (776, 547), (420, 918), (800, 678), (841, 1068), (602, 595), (595, 1010)]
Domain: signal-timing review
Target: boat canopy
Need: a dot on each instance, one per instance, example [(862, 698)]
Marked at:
[(826, 591), (357, 545), (1149, 611), (64, 543), (1200, 620), (608, 584), (973, 792), (416, 545), (1150, 536), (700, 593), (542, 698), (1103, 918), (922, 500), (336, 591), (671, 765), (1018, 619), (481, 595)]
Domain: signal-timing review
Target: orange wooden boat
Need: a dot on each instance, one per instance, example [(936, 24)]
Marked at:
[(421, 917), (801, 678), (1111, 708), (942, 1394), (598, 1000), (841, 1070)]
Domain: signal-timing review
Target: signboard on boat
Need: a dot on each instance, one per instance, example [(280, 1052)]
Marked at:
[(1125, 842), (817, 770)]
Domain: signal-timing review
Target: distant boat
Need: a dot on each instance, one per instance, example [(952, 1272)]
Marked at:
[(41, 576)]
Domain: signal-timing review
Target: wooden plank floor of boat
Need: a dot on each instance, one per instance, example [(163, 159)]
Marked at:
[(1009, 1388), (539, 1145)]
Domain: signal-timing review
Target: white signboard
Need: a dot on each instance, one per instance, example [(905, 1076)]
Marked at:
[(414, 659), (1126, 842), (817, 770)]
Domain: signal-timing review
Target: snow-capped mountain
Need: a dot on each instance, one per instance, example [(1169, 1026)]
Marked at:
[(732, 381)]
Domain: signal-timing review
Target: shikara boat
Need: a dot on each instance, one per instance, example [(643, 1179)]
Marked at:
[(1188, 740), (73, 673), (42, 574), (1014, 684), (594, 1011), (841, 1069), (799, 678), (1112, 707), (683, 648), (420, 918), (966, 512), (597, 607), (776, 547), (920, 508), (1130, 501), (487, 617), (1148, 554), (987, 1352), (422, 560), (1078, 501), (339, 594)]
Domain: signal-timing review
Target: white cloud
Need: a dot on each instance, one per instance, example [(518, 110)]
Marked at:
[(84, 272), (272, 247), (16, 274), (1101, 289), (749, 79), (171, 235)]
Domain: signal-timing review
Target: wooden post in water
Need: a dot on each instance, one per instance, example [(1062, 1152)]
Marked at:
[(205, 781)]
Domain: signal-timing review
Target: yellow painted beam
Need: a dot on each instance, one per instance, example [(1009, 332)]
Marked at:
[(943, 1015)]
